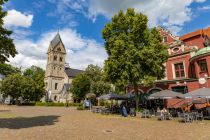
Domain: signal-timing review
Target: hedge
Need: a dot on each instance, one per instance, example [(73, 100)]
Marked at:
[(57, 104)]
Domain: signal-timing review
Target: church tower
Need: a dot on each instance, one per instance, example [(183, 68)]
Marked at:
[(54, 74)]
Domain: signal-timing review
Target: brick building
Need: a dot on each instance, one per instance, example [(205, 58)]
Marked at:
[(188, 65)]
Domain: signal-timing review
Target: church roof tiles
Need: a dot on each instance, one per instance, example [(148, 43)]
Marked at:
[(72, 72), (56, 40)]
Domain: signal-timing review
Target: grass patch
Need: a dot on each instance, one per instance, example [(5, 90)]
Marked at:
[(7, 115)]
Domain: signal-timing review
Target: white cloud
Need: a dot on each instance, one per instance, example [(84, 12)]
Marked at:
[(80, 51), (204, 8), (65, 10), (17, 19), (171, 13), (200, 1)]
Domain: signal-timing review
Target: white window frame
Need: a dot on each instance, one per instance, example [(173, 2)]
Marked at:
[(173, 69)]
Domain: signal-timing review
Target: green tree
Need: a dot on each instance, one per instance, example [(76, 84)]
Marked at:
[(7, 69), (7, 47), (37, 75), (90, 81), (80, 86), (11, 86), (93, 72), (16, 86), (98, 85), (135, 53)]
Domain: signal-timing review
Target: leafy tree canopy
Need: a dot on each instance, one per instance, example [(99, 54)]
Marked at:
[(96, 75), (7, 69), (94, 72), (7, 47), (80, 86), (91, 78), (37, 75), (16, 86), (135, 52)]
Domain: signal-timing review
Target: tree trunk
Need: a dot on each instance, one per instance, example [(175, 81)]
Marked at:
[(136, 96)]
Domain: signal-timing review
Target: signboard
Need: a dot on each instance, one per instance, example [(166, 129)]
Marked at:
[(202, 81)]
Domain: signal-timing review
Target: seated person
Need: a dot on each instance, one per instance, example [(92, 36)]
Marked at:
[(164, 110)]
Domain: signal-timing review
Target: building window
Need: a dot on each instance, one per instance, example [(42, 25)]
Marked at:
[(55, 58), (192, 69), (176, 49), (56, 86), (179, 70), (180, 89), (203, 66), (59, 49), (165, 39), (61, 59), (55, 98)]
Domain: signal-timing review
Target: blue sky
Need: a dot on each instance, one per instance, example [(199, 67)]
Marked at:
[(35, 23)]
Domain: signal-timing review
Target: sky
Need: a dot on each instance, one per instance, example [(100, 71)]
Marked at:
[(35, 22)]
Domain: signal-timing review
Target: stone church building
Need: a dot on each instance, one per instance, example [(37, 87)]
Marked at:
[(58, 74)]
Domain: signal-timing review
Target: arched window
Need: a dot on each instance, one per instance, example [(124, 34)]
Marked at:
[(59, 49), (55, 57), (61, 59), (55, 98), (56, 86)]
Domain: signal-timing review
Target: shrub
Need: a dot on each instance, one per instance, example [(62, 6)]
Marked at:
[(80, 107), (57, 104), (28, 104)]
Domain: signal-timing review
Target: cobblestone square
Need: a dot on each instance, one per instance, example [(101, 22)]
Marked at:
[(60, 123)]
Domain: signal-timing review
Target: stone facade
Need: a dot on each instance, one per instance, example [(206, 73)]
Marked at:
[(58, 75)]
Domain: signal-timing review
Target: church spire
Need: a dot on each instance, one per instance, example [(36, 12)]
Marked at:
[(56, 40)]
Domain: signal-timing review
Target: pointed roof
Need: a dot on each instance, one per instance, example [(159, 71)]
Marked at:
[(56, 40)]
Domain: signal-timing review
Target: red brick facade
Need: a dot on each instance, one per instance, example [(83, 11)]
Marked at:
[(187, 63)]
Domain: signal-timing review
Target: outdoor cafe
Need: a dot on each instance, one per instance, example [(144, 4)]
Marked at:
[(192, 106)]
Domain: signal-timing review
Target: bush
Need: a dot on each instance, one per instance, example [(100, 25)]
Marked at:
[(56, 104), (28, 104), (80, 107), (75, 104)]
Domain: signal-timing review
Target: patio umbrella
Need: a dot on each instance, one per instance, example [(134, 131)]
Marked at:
[(129, 95), (165, 94), (111, 96), (199, 93)]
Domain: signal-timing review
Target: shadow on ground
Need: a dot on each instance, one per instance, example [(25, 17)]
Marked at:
[(27, 122)]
